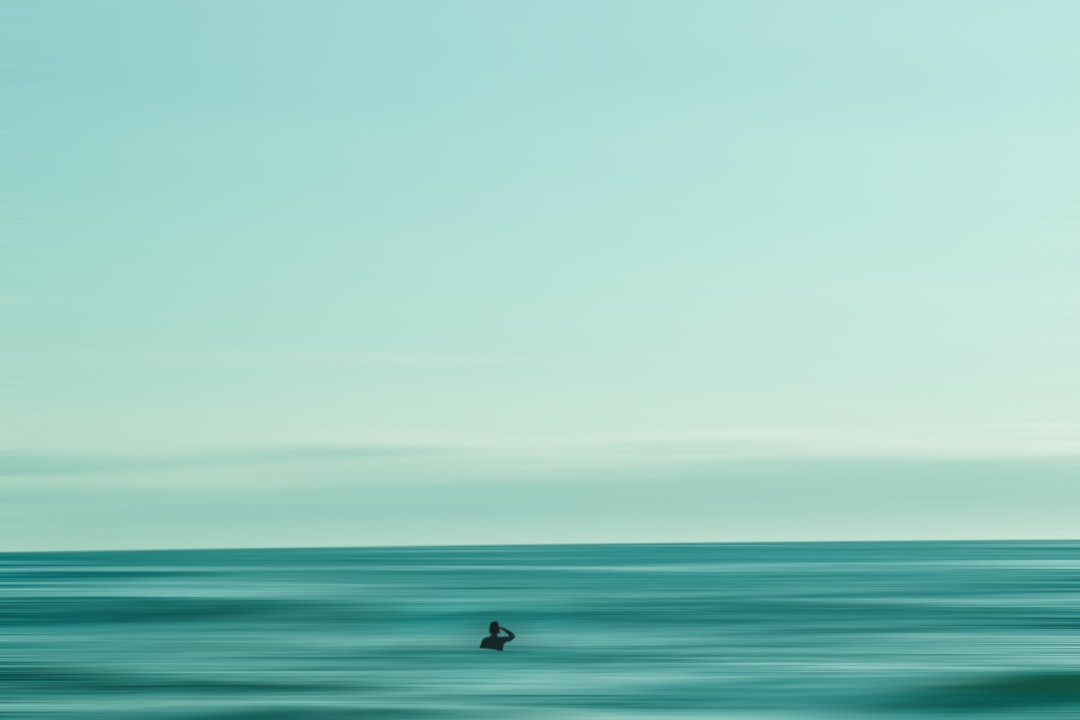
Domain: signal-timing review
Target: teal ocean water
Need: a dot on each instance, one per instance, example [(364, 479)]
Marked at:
[(754, 631)]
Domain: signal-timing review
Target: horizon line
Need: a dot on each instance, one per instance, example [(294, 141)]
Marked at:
[(254, 548)]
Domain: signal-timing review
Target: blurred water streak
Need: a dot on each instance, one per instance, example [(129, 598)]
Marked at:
[(754, 631)]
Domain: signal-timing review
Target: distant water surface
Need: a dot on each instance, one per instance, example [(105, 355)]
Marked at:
[(748, 632)]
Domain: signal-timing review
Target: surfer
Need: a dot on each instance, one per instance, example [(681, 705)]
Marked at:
[(494, 641)]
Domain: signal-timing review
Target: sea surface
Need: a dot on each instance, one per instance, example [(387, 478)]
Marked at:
[(747, 631)]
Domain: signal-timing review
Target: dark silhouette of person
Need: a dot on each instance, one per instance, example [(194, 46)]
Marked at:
[(494, 641)]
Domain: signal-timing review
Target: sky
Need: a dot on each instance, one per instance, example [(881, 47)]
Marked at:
[(339, 273)]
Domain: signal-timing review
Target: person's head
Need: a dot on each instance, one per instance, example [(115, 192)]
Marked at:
[(494, 627)]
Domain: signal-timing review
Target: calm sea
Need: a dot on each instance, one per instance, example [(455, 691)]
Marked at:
[(754, 632)]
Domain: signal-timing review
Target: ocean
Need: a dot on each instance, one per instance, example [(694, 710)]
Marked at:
[(741, 631)]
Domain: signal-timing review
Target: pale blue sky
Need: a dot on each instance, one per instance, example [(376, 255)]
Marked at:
[(378, 255)]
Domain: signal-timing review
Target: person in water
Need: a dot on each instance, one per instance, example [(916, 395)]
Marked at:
[(494, 641)]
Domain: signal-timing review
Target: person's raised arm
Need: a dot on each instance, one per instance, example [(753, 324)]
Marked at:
[(508, 633)]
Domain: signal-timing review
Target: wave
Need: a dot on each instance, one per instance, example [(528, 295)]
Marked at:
[(993, 691)]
